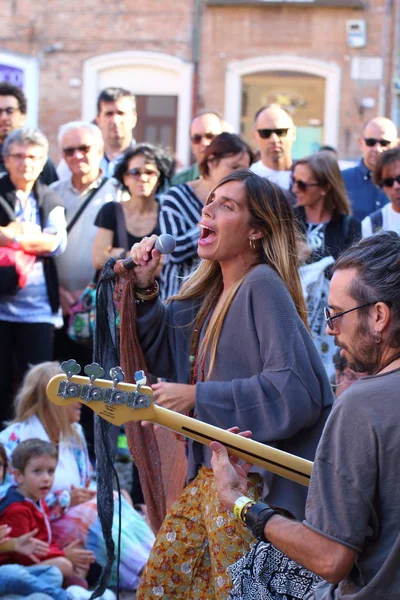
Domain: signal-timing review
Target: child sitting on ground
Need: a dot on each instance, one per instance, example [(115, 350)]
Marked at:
[(24, 510)]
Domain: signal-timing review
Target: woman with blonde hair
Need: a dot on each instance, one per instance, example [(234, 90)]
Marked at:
[(236, 343), (72, 499)]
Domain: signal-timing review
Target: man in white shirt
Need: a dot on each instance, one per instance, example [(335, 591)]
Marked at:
[(386, 176), (274, 134)]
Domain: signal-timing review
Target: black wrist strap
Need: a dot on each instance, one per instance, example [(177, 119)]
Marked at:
[(257, 517)]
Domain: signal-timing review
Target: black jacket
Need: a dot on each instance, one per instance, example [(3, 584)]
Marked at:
[(47, 199), (340, 233)]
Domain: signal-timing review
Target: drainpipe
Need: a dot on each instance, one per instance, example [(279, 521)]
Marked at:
[(196, 36), (385, 54), (396, 66)]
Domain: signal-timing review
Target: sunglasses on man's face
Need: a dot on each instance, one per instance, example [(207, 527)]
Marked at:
[(266, 133), (389, 181), (302, 185), (371, 142), (70, 150), (196, 138)]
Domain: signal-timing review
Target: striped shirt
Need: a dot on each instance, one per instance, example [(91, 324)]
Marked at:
[(179, 216)]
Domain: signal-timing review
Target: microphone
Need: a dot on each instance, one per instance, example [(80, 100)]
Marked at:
[(165, 244)]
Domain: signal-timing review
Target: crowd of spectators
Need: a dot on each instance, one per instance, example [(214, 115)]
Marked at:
[(62, 225)]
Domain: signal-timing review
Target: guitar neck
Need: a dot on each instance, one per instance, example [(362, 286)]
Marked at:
[(276, 461)]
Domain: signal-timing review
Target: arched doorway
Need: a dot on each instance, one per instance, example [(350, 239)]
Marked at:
[(310, 90), (163, 86)]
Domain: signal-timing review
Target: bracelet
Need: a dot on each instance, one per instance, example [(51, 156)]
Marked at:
[(239, 505), (151, 295), (147, 290), (257, 516), (245, 510)]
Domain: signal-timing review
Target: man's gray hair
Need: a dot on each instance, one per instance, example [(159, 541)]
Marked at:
[(93, 129), (27, 136)]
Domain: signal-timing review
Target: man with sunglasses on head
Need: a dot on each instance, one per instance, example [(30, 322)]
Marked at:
[(379, 134), (274, 134), (13, 108), (351, 533), (387, 176), (205, 126)]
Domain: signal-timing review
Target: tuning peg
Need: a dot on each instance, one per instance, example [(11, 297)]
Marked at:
[(94, 371), (68, 389), (140, 378), (70, 368), (117, 375)]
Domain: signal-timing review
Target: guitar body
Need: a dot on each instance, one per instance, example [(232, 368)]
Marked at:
[(124, 402)]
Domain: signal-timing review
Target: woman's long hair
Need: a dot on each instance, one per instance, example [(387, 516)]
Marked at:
[(325, 169), (31, 400), (272, 214)]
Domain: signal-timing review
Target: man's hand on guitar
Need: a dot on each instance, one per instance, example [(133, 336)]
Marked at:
[(179, 397), (146, 259), (230, 473)]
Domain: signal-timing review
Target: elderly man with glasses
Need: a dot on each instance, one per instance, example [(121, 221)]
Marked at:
[(274, 134), (379, 134), (83, 193)]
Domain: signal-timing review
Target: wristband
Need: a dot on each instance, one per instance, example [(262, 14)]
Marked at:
[(239, 505), (257, 517), (148, 294)]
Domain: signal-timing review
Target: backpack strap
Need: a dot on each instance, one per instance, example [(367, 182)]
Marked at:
[(82, 207)]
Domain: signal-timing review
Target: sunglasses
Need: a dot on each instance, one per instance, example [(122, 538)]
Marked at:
[(389, 181), (70, 150), (137, 173), (197, 137), (371, 142), (329, 318), (302, 185), (266, 133)]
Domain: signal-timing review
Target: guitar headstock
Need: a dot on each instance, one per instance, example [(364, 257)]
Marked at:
[(115, 401)]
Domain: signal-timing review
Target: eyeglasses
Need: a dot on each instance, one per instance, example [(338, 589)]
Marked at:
[(137, 173), (266, 133), (197, 137), (389, 181), (371, 142), (302, 185), (9, 110), (20, 157), (70, 150), (329, 319)]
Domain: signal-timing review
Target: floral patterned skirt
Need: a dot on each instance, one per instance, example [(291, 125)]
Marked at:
[(197, 542)]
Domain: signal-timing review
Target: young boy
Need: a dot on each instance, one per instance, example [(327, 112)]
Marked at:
[(23, 508), (23, 511)]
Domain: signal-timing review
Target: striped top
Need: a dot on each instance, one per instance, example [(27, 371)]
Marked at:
[(179, 216)]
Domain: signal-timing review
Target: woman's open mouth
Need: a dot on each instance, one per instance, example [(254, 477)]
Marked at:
[(208, 236)]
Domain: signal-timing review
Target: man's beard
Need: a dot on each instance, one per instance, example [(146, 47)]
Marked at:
[(365, 356)]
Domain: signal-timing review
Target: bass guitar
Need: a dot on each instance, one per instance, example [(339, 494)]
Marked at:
[(118, 403)]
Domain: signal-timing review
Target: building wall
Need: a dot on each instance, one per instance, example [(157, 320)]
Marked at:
[(63, 35)]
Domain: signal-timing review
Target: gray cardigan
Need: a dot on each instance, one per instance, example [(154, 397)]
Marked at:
[(267, 376)]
